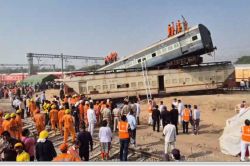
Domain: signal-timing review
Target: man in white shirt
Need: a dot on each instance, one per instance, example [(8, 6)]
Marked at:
[(105, 136), (132, 123), (242, 85), (180, 108), (91, 119), (175, 103), (138, 111), (169, 132), (196, 118)]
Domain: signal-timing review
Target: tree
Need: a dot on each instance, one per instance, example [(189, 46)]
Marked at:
[(243, 60), (70, 68)]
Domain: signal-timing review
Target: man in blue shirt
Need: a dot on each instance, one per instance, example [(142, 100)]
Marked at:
[(132, 123)]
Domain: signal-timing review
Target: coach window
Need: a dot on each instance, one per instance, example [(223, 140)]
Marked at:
[(105, 87), (83, 89), (123, 86), (90, 88), (112, 86), (194, 38), (139, 60), (98, 87), (174, 81), (154, 54), (140, 84), (144, 59), (133, 84)]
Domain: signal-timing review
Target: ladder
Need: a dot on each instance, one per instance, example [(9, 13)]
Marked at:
[(146, 80)]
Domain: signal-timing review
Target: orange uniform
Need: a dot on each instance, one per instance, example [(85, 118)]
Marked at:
[(61, 113), (6, 125), (86, 107), (68, 122), (172, 29), (19, 126), (179, 27), (53, 114), (32, 108), (81, 110), (39, 119), (1, 125), (169, 30), (150, 108), (97, 109), (13, 128), (64, 157)]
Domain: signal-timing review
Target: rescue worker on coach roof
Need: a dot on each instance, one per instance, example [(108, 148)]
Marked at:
[(169, 30), (172, 29), (179, 26)]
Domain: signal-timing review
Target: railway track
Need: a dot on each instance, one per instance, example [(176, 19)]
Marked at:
[(95, 155)]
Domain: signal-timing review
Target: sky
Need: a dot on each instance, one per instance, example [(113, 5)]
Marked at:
[(97, 27)]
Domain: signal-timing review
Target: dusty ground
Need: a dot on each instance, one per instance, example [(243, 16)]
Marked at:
[(215, 110)]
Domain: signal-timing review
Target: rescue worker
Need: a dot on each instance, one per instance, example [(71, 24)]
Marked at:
[(123, 128), (6, 123), (13, 125), (64, 156), (68, 122), (61, 113), (81, 111), (116, 115), (97, 109), (245, 139), (39, 120), (185, 25), (186, 114), (53, 114), (1, 122), (179, 26), (85, 108), (22, 156), (172, 29), (19, 124), (45, 150), (32, 107), (169, 30)]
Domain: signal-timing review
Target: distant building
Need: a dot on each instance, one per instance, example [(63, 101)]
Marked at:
[(242, 72)]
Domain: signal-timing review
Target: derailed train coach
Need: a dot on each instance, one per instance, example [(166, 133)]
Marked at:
[(122, 84), (188, 44)]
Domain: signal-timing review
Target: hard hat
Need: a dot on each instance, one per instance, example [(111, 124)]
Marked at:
[(61, 107), (43, 134), (7, 116), (12, 115), (31, 100), (53, 106), (18, 145), (18, 111), (63, 147), (67, 111)]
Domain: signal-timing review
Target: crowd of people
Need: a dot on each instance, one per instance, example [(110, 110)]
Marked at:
[(78, 116), (112, 57)]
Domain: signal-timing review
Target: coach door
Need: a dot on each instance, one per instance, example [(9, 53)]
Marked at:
[(161, 83)]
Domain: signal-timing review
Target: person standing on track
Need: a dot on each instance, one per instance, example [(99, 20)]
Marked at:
[(53, 115), (29, 143), (85, 142), (124, 137), (91, 119), (61, 113), (68, 122), (116, 115), (105, 136), (39, 119)]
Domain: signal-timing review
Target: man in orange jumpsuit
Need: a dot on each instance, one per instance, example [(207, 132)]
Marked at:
[(39, 119), (53, 114), (32, 107), (6, 123), (64, 156), (97, 109), (61, 113), (19, 124), (1, 122), (169, 30), (86, 107), (81, 110), (68, 122), (172, 29), (178, 26), (13, 125)]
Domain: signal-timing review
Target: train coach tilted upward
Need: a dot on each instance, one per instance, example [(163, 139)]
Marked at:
[(188, 46)]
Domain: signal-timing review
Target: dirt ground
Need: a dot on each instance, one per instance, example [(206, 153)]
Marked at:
[(215, 110)]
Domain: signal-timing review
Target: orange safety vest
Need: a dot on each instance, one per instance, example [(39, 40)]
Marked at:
[(123, 130), (186, 115), (64, 157), (150, 108), (245, 133)]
